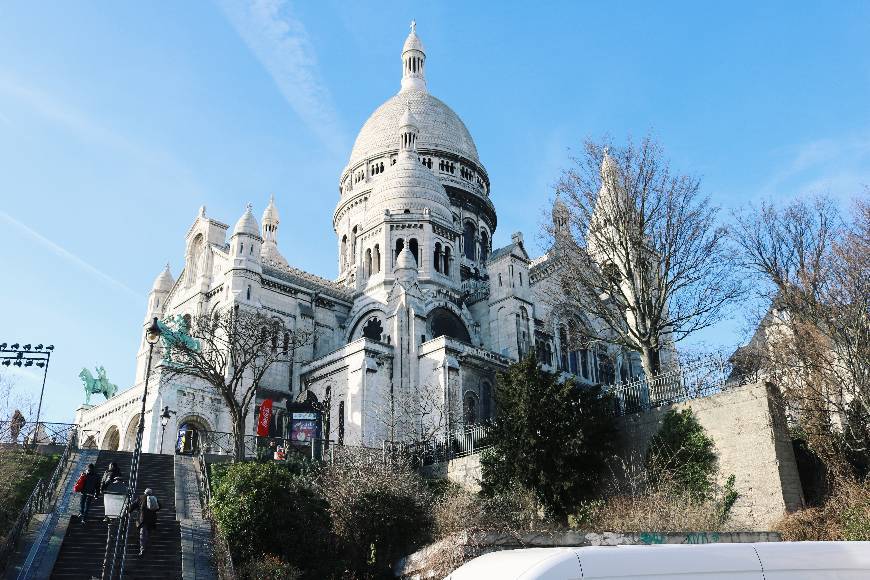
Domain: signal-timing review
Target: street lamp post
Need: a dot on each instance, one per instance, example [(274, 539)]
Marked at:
[(152, 335), (114, 496), (164, 421), (27, 356)]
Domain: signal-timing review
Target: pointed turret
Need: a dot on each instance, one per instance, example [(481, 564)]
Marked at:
[(413, 62), (245, 243), (270, 253), (159, 292)]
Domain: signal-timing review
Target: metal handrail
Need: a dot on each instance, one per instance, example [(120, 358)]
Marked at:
[(42, 433), (459, 443), (694, 380)]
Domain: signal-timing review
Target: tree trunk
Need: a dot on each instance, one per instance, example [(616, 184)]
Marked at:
[(239, 437), (651, 362)]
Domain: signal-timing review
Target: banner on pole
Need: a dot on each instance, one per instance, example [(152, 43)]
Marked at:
[(265, 418)]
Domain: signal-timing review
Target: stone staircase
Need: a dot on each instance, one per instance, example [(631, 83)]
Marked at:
[(81, 554)]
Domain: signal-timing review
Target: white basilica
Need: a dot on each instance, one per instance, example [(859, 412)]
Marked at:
[(409, 337)]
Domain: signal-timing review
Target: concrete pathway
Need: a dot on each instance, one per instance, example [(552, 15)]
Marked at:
[(197, 543)]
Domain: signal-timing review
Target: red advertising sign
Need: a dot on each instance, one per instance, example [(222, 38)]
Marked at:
[(265, 418)]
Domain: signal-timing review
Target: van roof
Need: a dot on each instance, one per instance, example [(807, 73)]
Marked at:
[(730, 561)]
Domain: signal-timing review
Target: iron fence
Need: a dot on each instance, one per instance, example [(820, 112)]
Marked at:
[(445, 447), (691, 380), (42, 433), (223, 443)]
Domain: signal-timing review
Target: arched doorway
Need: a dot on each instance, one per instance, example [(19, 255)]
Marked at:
[(112, 439), (130, 433), (190, 431)]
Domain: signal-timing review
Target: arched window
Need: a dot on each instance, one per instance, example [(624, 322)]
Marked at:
[(469, 408), (249, 292), (343, 256), (196, 250), (376, 259), (484, 245), (368, 263), (468, 235), (485, 401), (275, 339), (412, 245), (446, 260), (523, 332), (373, 329), (286, 346), (521, 278), (437, 257), (563, 348), (499, 279)]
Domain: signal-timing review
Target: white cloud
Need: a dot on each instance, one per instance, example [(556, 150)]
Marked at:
[(281, 44), (65, 254), (838, 167)]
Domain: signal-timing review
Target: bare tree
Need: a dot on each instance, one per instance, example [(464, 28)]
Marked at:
[(814, 269), (638, 249), (232, 350)]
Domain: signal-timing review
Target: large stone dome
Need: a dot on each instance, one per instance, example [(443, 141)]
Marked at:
[(440, 128)]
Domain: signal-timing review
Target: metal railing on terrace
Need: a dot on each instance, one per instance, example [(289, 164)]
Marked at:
[(459, 443), (18, 433), (223, 443), (690, 380)]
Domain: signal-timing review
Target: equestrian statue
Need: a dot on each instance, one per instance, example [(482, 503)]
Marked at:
[(98, 384)]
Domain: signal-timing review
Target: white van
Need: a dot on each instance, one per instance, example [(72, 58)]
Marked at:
[(761, 561)]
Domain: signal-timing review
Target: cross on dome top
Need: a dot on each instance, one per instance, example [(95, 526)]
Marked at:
[(413, 62)]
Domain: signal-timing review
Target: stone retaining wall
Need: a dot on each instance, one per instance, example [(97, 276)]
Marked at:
[(749, 429)]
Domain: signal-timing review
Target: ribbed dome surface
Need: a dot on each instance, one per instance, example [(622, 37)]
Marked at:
[(164, 281), (440, 128), (409, 185), (247, 224)]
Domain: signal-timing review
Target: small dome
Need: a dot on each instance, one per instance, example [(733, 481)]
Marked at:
[(405, 260), (247, 224), (164, 282), (270, 215), (409, 185)]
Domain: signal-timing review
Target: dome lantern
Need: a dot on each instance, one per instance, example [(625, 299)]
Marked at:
[(413, 62)]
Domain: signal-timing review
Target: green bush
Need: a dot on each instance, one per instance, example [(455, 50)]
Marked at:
[(551, 437), (681, 453), (274, 509)]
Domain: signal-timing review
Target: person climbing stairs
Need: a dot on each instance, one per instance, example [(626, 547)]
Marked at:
[(84, 546)]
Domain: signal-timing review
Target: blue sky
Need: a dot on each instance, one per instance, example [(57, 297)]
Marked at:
[(119, 119)]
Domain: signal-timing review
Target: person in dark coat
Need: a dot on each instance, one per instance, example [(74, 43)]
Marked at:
[(148, 506), (111, 473), (89, 491)]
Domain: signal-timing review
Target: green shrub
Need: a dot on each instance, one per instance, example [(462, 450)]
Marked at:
[(274, 509), (682, 453), (551, 438)]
